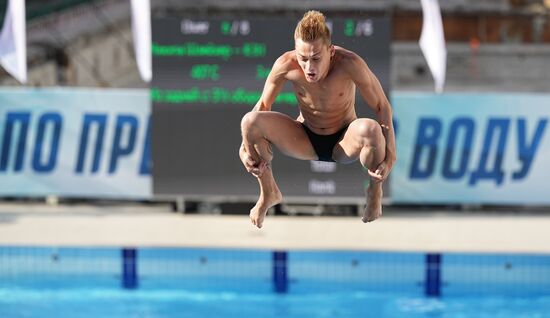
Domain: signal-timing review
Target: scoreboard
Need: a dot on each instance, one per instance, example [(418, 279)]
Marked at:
[(207, 73)]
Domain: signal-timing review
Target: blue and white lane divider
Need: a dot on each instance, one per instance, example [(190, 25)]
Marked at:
[(432, 282), (129, 268), (280, 273)]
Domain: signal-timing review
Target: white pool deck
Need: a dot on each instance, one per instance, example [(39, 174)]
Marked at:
[(24, 224)]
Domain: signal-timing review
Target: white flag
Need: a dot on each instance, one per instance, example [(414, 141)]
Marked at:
[(13, 41), (141, 28), (432, 42)]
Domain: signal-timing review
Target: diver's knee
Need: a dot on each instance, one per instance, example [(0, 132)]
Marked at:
[(250, 120), (367, 127), (369, 131)]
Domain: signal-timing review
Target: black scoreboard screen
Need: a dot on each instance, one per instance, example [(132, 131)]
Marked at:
[(207, 73)]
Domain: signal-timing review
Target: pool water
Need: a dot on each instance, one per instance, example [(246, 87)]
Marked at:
[(116, 302), (223, 283)]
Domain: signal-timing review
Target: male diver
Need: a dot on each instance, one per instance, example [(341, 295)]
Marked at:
[(324, 78)]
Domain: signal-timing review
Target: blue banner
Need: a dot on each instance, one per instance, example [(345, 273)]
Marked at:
[(75, 143), (471, 148)]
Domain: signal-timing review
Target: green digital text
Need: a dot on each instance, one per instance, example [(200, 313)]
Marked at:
[(349, 27), (262, 72), (224, 51), (215, 95), (205, 72)]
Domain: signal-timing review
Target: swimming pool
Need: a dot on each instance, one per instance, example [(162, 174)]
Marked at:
[(186, 282)]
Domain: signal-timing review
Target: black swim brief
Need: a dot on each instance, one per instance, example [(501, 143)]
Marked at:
[(324, 144)]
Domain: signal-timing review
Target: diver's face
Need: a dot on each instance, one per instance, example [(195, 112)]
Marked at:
[(314, 58)]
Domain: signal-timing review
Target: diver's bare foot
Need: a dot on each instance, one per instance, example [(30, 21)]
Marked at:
[(373, 209), (258, 212)]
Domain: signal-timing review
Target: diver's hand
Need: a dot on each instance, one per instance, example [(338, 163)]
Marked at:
[(256, 167), (382, 171)]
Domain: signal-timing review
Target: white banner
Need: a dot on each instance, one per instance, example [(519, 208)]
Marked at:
[(75, 143), (471, 148), (13, 43), (141, 28), (432, 42)]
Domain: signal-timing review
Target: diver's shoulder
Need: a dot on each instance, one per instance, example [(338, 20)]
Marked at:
[(345, 55), (287, 57), (348, 59), (287, 61)]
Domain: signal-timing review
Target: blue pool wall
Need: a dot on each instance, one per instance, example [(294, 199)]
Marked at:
[(293, 271)]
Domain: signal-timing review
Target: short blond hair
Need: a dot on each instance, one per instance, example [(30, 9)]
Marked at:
[(312, 27)]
